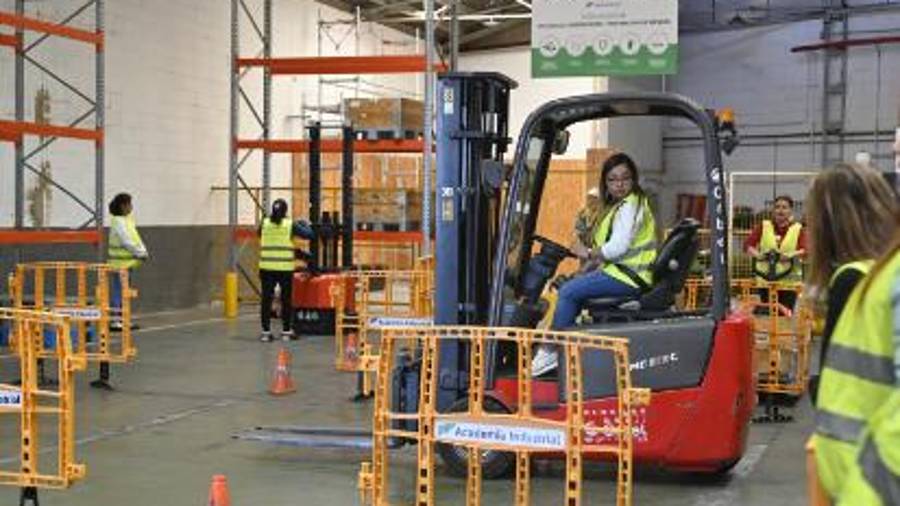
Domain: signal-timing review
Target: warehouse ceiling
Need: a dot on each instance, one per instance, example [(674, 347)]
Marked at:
[(488, 24)]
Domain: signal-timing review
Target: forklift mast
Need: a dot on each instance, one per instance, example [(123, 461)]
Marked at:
[(472, 137)]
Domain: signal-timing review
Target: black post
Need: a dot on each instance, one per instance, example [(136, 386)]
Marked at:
[(347, 225), (28, 495), (315, 187)]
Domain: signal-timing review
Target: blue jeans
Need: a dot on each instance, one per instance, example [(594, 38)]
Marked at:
[(577, 290), (115, 292)]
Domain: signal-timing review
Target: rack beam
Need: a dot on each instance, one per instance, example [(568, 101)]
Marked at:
[(37, 25), (341, 65), (20, 128), (334, 146), (844, 44), (8, 236), (249, 233), (8, 40)]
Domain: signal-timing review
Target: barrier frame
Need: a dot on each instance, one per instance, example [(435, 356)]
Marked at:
[(373, 478), (28, 326)]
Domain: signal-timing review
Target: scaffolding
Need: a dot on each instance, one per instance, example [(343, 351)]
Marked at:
[(241, 148), (16, 131)]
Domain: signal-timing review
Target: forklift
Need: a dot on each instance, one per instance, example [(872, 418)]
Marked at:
[(698, 365), (492, 269), (331, 248)]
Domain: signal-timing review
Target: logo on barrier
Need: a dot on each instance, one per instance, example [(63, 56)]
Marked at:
[(511, 436), (379, 322), (10, 398), (79, 313)]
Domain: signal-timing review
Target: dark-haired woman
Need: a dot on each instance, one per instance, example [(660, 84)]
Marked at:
[(125, 250), (622, 253)]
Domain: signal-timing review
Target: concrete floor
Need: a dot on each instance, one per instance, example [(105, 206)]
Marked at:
[(165, 431)]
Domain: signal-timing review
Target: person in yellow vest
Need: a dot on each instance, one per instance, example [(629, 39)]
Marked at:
[(587, 220), (620, 257), (276, 266), (857, 438), (850, 213), (125, 248), (784, 236)]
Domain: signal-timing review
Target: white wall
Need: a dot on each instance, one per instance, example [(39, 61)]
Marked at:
[(774, 91), (168, 103), (532, 93)]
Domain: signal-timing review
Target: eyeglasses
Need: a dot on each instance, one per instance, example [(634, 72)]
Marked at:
[(620, 180)]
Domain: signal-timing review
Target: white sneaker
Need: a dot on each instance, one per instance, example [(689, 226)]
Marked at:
[(266, 336), (287, 335), (545, 360)]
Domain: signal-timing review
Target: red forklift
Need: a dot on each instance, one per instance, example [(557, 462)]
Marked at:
[(698, 365), (492, 269)]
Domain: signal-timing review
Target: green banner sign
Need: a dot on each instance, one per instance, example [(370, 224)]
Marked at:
[(604, 37)]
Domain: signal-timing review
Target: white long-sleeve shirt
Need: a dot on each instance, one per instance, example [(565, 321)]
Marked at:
[(135, 248), (626, 224)]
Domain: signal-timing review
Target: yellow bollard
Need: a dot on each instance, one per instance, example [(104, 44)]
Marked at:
[(231, 295)]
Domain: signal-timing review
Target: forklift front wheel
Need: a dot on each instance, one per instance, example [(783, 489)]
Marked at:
[(494, 464)]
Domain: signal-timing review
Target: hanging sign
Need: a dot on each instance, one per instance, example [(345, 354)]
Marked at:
[(604, 37)]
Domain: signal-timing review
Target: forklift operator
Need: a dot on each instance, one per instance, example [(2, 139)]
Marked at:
[(624, 244)]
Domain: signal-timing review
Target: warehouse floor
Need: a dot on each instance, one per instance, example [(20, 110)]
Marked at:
[(166, 430)]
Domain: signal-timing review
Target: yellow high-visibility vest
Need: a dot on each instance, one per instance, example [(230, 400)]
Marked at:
[(276, 251), (116, 252), (857, 451), (641, 252), (768, 241)]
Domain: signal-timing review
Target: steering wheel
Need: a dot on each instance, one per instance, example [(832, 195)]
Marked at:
[(554, 248), (772, 258)]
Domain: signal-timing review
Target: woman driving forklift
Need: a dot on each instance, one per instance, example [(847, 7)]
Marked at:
[(619, 261)]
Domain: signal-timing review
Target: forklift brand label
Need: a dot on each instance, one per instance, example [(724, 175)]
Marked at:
[(10, 398), (514, 437), (653, 362), (378, 322), (79, 313)]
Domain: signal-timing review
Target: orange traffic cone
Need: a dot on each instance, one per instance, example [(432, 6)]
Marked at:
[(282, 382), (351, 353), (218, 491)]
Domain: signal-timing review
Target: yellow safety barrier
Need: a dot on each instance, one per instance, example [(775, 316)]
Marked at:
[(31, 403), (81, 291), (783, 335), (524, 432), (379, 298)]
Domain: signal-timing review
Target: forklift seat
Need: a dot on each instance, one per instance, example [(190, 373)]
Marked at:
[(670, 270)]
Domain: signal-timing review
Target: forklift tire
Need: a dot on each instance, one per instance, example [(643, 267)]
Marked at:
[(494, 464)]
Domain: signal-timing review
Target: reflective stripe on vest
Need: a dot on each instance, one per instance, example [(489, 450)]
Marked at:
[(276, 250), (116, 252), (857, 378), (768, 241), (884, 480), (641, 252)]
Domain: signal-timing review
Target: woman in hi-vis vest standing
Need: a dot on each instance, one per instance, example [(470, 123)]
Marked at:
[(850, 212), (621, 256), (787, 238), (276, 266), (125, 250)]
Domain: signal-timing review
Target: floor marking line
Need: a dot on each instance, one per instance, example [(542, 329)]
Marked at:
[(185, 324), (131, 429)]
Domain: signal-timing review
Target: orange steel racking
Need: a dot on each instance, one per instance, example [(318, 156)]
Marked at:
[(272, 66), (16, 131)]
